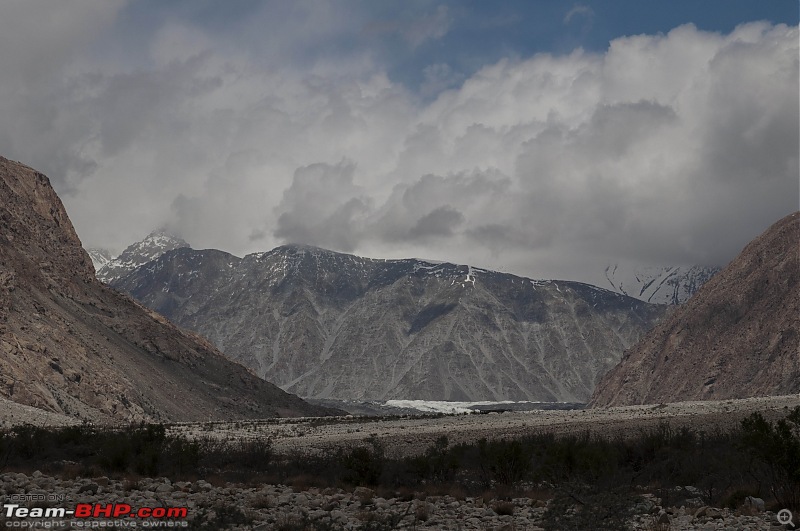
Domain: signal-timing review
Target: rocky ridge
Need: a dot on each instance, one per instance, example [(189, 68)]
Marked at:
[(329, 325), (71, 345), (738, 337)]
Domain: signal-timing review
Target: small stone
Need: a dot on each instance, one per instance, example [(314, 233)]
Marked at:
[(363, 492), (89, 487)]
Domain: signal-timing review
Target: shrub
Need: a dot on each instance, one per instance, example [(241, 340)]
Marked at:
[(776, 447), (507, 461), (363, 465)]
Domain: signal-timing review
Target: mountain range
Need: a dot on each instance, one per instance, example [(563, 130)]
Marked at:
[(71, 345), (737, 337), (323, 324), (655, 284)]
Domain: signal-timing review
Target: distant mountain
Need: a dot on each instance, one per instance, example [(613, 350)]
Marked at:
[(99, 257), (154, 245), (659, 285), (71, 345), (738, 337), (329, 325)]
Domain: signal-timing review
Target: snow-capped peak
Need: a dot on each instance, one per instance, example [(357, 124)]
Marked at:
[(151, 247), (100, 257)]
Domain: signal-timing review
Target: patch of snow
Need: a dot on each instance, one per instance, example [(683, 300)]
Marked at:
[(441, 406)]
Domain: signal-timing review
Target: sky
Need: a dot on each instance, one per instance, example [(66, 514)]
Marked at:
[(544, 138)]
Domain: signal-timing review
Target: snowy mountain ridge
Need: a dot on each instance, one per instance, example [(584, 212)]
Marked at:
[(658, 285), (135, 255), (100, 257)]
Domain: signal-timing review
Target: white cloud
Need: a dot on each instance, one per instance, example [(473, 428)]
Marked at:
[(673, 148)]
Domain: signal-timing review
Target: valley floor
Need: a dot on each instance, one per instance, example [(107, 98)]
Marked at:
[(410, 435), (264, 503)]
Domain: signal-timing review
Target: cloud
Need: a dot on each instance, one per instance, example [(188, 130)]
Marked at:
[(431, 26), (441, 221), (437, 78), (579, 10), (322, 207), (414, 27), (664, 149), (42, 45)]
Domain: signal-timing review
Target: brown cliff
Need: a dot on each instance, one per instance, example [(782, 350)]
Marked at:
[(737, 337), (71, 345)]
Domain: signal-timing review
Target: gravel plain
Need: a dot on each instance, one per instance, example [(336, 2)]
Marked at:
[(411, 435)]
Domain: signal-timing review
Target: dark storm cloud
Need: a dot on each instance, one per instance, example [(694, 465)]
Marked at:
[(442, 221)]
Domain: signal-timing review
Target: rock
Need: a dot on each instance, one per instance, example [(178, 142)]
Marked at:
[(285, 499), (756, 504), (91, 488), (695, 502), (645, 506), (363, 493)]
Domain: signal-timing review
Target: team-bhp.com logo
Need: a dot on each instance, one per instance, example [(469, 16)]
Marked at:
[(87, 515)]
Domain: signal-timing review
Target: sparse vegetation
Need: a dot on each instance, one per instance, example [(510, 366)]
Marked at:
[(775, 449), (590, 475)]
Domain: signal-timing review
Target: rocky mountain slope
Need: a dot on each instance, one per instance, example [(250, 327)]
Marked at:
[(328, 325), (738, 337), (659, 285), (71, 345)]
